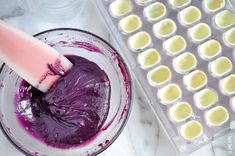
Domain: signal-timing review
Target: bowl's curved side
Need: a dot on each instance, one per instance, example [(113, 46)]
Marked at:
[(124, 114)]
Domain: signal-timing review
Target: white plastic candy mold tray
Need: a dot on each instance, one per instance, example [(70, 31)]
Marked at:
[(182, 54)]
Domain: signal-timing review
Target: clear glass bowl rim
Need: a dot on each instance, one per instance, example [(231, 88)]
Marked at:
[(130, 92)]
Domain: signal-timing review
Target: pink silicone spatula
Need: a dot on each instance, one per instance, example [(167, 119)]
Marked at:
[(37, 63)]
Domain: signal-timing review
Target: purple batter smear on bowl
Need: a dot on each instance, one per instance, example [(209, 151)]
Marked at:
[(72, 111)]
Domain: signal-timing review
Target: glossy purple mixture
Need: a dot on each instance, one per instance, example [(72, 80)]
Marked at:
[(72, 111)]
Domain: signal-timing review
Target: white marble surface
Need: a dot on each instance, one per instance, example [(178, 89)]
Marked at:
[(142, 135)]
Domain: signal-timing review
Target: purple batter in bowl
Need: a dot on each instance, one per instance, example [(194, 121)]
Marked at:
[(72, 111), (43, 125)]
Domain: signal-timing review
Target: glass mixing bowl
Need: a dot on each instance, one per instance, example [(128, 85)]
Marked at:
[(71, 42)]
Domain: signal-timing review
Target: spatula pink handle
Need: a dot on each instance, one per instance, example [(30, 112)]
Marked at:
[(30, 58)]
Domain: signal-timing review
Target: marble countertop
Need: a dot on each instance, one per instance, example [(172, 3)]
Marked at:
[(142, 136)]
